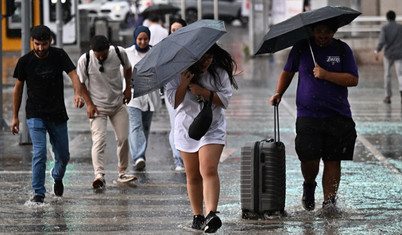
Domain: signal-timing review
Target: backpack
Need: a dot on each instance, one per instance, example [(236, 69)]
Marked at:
[(118, 55)]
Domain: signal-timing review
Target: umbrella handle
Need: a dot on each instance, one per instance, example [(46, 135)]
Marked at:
[(311, 50)]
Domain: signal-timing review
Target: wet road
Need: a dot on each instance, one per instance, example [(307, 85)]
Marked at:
[(369, 194)]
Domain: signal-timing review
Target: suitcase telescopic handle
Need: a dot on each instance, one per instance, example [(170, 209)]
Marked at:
[(276, 124)]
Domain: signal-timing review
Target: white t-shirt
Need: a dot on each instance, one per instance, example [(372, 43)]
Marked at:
[(105, 88), (157, 34), (150, 101), (189, 109)]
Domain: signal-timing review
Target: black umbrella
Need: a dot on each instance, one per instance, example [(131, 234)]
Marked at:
[(161, 9), (288, 32)]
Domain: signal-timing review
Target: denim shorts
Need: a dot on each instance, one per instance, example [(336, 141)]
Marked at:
[(331, 139)]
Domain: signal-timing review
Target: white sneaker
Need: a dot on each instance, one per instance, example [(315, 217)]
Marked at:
[(139, 164), (179, 168), (124, 177), (99, 181)]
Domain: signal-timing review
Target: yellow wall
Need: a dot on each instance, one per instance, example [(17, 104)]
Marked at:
[(14, 44)]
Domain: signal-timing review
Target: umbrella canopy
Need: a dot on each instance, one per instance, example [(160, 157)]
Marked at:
[(174, 54), (288, 32), (160, 9)]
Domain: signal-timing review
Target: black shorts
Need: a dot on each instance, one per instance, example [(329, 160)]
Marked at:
[(332, 139)]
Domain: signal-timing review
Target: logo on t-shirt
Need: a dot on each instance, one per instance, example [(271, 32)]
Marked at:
[(333, 59)]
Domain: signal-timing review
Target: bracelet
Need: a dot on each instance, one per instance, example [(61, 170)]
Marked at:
[(277, 93)]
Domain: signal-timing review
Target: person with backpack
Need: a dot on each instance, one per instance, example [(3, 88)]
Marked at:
[(324, 125), (102, 89)]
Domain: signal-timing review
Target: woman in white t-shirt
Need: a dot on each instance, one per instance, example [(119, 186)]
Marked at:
[(212, 73)]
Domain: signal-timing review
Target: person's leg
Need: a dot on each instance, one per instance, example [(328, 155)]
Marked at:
[(58, 136), (37, 131), (178, 161), (309, 147), (209, 159), (146, 123), (331, 178), (310, 170), (194, 181), (136, 135), (98, 129), (398, 68), (120, 122), (340, 139), (387, 77), (209, 156)]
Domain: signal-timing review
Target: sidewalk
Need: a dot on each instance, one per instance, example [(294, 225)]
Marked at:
[(369, 194)]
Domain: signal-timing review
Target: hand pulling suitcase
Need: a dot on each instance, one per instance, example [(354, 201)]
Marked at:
[(262, 176)]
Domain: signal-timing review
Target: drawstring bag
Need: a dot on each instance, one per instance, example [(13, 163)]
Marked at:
[(203, 121)]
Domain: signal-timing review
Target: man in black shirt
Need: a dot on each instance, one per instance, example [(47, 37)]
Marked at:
[(42, 71)]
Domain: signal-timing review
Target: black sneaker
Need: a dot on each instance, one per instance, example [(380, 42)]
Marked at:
[(308, 200), (198, 222), (329, 207), (387, 100), (58, 187), (212, 222), (38, 199)]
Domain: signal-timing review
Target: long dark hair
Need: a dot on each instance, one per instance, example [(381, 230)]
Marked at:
[(221, 59), (180, 21)]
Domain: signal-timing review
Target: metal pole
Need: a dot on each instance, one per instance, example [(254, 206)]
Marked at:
[(3, 124), (59, 24), (183, 9), (199, 9), (167, 17), (259, 19), (25, 48), (216, 10)]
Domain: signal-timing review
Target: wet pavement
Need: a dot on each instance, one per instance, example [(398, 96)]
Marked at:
[(369, 194)]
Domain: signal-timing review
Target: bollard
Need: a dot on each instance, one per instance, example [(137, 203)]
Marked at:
[(101, 26)]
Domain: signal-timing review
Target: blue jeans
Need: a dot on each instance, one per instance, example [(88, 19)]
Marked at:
[(140, 125), (58, 136)]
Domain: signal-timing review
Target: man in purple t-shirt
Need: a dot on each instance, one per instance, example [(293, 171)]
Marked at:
[(324, 126)]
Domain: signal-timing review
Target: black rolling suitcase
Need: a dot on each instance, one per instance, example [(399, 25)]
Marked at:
[(262, 176)]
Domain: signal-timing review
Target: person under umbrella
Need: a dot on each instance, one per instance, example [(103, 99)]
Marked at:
[(212, 73), (178, 161), (324, 126)]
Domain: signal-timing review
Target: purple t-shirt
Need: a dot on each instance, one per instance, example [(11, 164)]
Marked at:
[(315, 97)]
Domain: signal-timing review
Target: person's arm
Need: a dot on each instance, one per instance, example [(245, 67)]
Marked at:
[(186, 77), (283, 83), (127, 92), (341, 79), (380, 45), (78, 102), (17, 98), (201, 91), (91, 108)]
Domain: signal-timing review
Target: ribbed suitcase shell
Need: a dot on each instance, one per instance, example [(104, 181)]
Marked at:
[(263, 179)]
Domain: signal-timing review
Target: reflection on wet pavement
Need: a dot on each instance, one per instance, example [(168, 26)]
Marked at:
[(157, 203)]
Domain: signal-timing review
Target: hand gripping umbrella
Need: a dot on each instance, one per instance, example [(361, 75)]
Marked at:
[(174, 54), (298, 27)]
